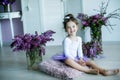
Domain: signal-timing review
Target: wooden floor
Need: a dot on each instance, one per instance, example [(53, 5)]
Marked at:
[(13, 64)]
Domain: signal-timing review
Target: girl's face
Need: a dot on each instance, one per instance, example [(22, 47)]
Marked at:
[(71, 28)]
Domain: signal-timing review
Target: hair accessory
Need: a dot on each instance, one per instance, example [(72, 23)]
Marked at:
[(67, 17)]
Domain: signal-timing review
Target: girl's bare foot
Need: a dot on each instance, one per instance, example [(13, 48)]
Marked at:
[(110, 72), (93, 71)]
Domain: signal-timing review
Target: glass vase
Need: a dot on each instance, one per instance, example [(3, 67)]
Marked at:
[(96, 36), (33, 59)]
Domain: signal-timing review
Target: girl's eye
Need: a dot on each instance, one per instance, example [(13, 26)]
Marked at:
[(68, 27), (73, 26)]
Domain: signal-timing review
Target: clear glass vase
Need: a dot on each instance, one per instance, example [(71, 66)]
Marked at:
[(96, 36), (33, 59)]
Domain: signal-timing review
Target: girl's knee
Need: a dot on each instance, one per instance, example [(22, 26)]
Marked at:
[(90, 62), (68, 60)]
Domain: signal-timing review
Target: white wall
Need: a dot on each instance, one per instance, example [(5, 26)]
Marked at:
[(74, 7), (52, 19), (89, 5), (45, 15), (53, 12), (48, 14), (31, 16)]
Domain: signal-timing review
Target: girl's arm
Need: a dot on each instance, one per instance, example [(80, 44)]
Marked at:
[(80, 54), (80, 51), (66, 44)]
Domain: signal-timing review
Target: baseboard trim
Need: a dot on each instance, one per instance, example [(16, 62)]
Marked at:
[(111, 42), (104, 42), (6, 44), (48, 45)]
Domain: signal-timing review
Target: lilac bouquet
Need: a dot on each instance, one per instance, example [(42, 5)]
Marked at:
[(91, 49), (5, 2), (96, 20), (30, 42), (34, 45), (95, 23), (99, 19)]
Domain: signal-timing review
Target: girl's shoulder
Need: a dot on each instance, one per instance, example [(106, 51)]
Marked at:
[(66, 39), (79, 38)]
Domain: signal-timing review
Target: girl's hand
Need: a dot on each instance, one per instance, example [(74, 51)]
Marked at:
[(82, 62)]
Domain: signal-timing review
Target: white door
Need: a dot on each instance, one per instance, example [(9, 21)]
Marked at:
[(52, 19), (31, 16)]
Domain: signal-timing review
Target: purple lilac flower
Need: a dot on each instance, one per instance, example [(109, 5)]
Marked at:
[(42, 50), (105, 19), (5, 2), (30, 42), (90, 49), (98, 16), (80, 16), (84, 23)]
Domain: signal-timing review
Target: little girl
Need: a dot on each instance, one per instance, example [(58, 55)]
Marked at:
[(72, 51)]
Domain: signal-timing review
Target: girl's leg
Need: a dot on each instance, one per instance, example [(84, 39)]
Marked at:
[(75, 65), (91, 63), (110, 72), (101, 70)]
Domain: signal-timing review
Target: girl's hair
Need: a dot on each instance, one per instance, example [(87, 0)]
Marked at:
[(67, 18)]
